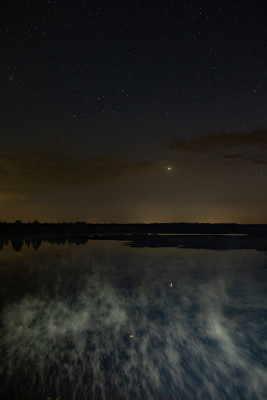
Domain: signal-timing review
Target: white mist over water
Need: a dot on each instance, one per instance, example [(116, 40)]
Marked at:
[(202, 337)]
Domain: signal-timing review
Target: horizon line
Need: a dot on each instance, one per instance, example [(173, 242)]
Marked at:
[(127, 223)]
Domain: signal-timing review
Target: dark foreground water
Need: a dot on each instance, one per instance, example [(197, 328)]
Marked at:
[(107, 321)]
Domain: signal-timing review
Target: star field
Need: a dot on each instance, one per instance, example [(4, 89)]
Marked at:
[(122, 82)]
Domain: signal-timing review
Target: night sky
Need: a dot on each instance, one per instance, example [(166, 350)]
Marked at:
[(133, 111)]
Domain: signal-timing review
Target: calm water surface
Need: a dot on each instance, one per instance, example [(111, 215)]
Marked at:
[(107, 321)]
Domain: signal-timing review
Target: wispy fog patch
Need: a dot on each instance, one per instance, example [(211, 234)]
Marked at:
[(150, 342)]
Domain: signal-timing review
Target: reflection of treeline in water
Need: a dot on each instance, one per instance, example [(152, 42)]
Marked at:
[(211, 242), (35, 242), (8, 230), (197, 236)]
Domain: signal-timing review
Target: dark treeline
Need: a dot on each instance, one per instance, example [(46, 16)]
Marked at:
[(136, 235), (29, 229)]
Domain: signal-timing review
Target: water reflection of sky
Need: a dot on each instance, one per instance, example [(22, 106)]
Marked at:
[(108, 321)]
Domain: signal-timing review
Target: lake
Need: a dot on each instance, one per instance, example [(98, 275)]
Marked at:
[(109, 320)]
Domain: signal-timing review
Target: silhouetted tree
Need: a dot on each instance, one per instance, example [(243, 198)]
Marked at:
[(28, 242), (17, 244), (36, 243)]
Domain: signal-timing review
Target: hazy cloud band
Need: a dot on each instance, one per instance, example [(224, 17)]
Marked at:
[(45, 170)]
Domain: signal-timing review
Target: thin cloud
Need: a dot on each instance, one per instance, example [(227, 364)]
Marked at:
[(223, 140), (45, 170), (241, 159)]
